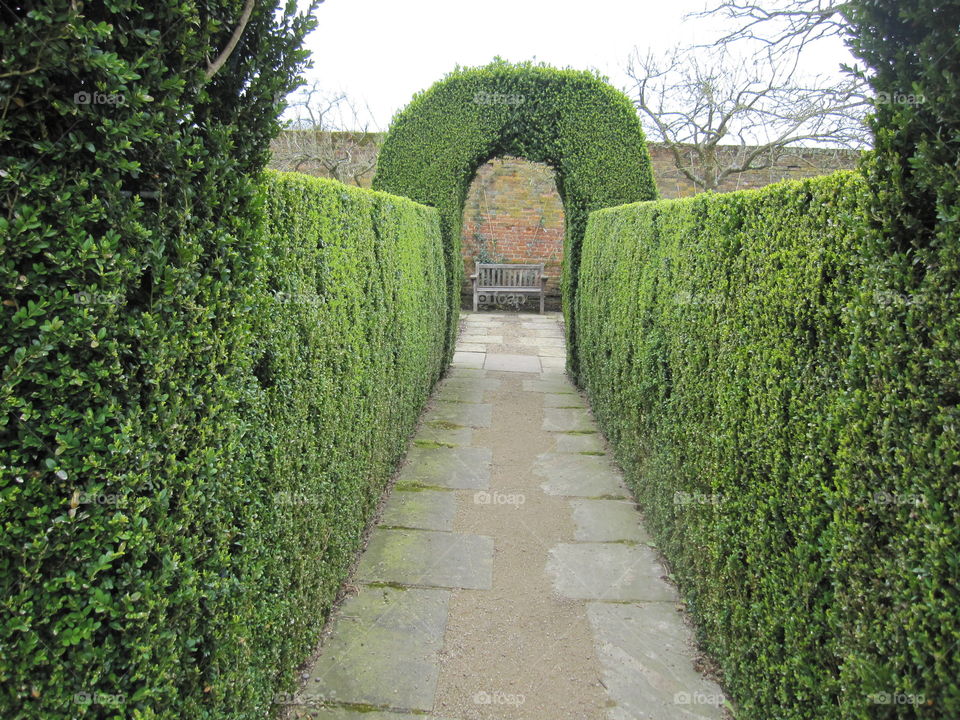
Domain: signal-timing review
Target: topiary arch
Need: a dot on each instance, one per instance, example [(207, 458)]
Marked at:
[(573, 121)]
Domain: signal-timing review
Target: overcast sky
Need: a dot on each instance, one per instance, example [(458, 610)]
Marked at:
[(383, 51)]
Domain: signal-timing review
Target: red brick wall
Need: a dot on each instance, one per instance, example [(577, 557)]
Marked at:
[(513, 214)]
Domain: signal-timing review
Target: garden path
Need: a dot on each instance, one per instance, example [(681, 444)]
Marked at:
[(509, 575)]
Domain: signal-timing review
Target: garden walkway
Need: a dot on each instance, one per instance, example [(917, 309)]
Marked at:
[(509, 575)]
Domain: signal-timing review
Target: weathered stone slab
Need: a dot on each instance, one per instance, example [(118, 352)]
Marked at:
[(607, 521), (473, 380), (566, 400), (544, 341), (549, 351), (608, 571), (343, 713), (441, 434), (468, 359), (553, 363), (382, 650), (512, 363), (476, 415), (481, 338), (420, 509), (576, 475), (590, 443), (558, 383), (464, 468), (426, 558), (471, 347), (460, 393), (465, 373), (646, 653), (565, 420)]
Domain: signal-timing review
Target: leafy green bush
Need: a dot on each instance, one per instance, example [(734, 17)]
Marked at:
[(196, 418), (902, 416), (178, 558), (719, 341), (570, 120)]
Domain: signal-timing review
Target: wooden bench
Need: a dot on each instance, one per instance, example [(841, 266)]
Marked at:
[(508, 279)]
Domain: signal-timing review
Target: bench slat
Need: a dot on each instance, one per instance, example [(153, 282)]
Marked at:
[(508, 278)]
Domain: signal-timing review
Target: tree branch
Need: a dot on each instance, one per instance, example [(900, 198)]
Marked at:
[(213, 67)]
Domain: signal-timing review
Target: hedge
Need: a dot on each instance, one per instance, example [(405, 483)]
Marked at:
[(903, 419), (220, 440), (571, 120), (721, 342)]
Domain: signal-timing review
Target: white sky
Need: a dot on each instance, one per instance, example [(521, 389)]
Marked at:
[(380, 52)]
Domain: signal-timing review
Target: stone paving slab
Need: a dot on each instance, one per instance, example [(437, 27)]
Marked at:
[(468, 359), (382, 649), (464, 373), (548, 351), (645, 651), (553, 400), (333, 713), (475, 415), (427, 558), (590, 443), (474, 380), (542, 341), (556, 384), (553, 363), (460, 393), (461, 468), (607, 521), (577, 475), (420, 509), (565, 420), (608, 571), (442, 434), (512, 363), (481, 338), (471, 347)]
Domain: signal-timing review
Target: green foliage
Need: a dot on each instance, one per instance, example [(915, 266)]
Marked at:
[(178, 559), (570, 120), (902, 420), (150, 564), (721, 342)]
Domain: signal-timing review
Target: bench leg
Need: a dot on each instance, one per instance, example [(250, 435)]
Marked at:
[(474, 295), (542, 297)]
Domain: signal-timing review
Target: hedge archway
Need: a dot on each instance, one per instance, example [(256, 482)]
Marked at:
[(571, 120)]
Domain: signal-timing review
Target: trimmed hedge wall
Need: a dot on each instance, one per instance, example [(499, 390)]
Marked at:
[(903, 426), (175, 551), (573, 121), (720, 341)]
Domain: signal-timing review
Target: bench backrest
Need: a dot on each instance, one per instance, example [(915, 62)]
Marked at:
[(508, 275)]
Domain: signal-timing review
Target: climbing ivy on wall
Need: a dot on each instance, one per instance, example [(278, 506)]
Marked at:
[(573, 121)]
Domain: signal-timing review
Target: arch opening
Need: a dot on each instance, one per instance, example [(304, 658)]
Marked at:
[(572, 121), (513, 214)]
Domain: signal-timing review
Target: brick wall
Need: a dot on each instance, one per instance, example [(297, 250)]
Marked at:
[(513, 212)]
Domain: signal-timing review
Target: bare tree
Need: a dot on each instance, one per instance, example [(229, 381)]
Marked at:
[(719, 115), (780, 27), (329, 134)]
